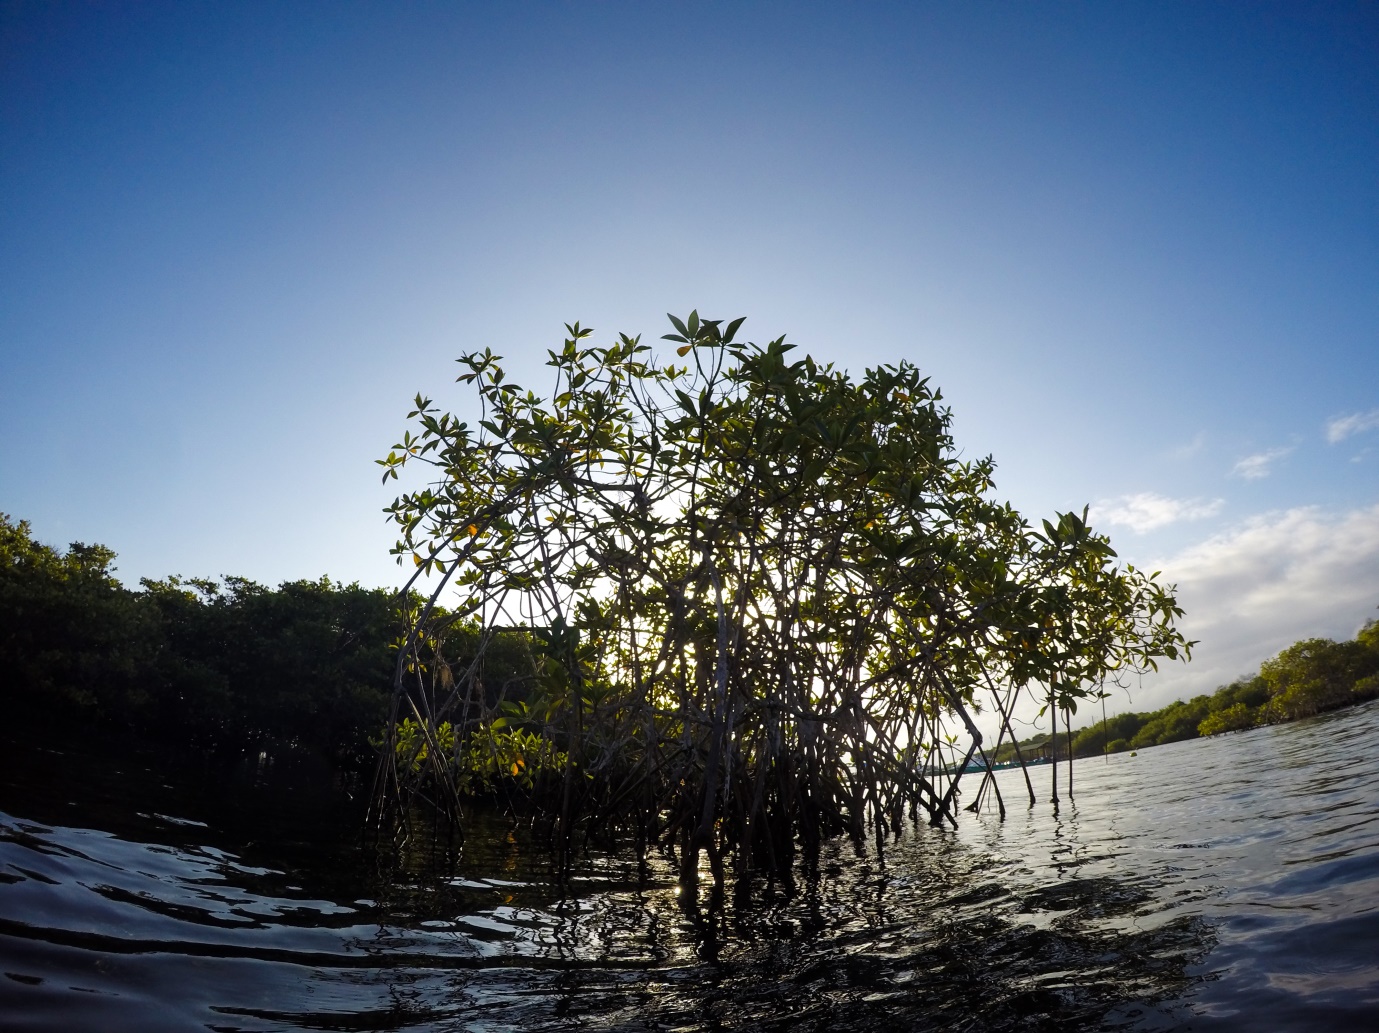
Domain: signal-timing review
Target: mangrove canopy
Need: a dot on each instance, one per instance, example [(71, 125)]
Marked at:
[(765, 600)]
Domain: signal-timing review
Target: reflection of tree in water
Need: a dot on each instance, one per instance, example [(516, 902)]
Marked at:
[(989, 973), (941, 945)]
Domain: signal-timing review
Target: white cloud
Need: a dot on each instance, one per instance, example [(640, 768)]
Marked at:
[(1258, 588), (1342, 427), (1252, 468), (1145, 511)]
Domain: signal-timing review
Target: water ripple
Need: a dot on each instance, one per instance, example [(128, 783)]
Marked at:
[(1229, 884)]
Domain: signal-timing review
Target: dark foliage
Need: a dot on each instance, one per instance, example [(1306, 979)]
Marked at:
[(202, 663)]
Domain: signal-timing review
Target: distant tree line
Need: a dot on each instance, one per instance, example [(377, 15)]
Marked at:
[(1307, 678), (228, 663), (212, 664)]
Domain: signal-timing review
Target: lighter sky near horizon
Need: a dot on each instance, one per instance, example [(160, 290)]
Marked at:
[(1136, 245)]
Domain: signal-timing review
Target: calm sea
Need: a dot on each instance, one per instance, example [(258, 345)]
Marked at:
[(1229, 884)]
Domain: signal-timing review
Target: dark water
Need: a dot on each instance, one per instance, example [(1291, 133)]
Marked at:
[(1229, 884)]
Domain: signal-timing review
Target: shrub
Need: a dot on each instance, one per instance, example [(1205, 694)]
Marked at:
[(1232, 719)]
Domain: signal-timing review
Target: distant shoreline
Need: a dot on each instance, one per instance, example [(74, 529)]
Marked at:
[(1312, 676)]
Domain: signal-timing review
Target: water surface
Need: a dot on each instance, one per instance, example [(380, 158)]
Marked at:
[(1226, 884)]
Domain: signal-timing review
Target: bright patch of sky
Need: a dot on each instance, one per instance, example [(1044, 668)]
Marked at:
[(1135, 244), (1146, 511)]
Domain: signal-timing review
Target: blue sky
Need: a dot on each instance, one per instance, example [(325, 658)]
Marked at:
[(1137, 245)]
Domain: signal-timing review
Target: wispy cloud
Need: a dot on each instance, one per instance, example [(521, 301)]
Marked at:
[(1252, 468), (1145, 510), (1342, 427), (1264, 584), (1191, 449)]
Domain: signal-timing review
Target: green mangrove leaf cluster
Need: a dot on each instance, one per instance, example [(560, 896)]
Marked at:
[(494, 756)]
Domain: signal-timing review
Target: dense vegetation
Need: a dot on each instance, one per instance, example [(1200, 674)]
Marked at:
[(201, 663), (311, 663), (1307, 678), (767, 598), (733, 606)]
